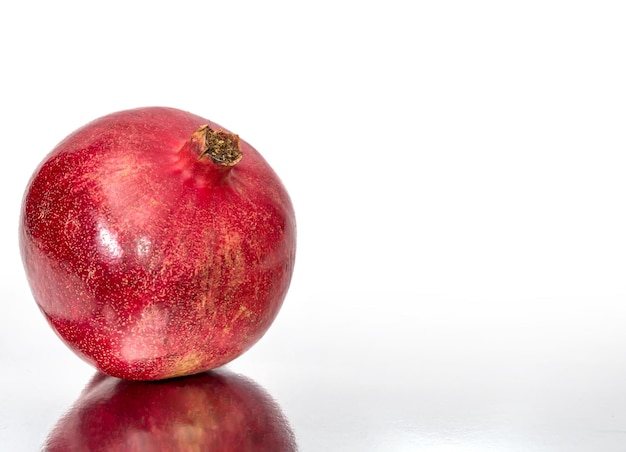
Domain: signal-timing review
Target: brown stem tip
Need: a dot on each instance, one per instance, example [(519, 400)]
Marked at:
[(221, 147)]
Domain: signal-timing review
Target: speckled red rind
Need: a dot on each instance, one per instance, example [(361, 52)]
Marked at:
[(148, 262), (213, 411)]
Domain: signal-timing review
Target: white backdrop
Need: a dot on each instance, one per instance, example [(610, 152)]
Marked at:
[(457, 170)]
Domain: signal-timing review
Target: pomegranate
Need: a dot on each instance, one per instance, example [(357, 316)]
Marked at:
[(209, 411), (157, 243)]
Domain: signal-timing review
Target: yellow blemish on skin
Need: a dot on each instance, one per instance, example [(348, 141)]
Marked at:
[(242, 312), (187, 364)]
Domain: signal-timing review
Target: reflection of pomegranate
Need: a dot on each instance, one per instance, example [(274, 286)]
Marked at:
[(156, 243), (211, 411)]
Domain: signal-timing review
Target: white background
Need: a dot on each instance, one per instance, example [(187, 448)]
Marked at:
[(458, 173)]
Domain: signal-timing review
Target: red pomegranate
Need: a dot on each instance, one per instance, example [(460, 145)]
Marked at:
[(157, 243)]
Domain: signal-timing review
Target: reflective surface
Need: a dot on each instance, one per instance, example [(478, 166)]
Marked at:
[(543, 375), (209, 411)]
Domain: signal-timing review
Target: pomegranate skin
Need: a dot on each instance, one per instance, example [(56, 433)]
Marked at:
[(148, 258)]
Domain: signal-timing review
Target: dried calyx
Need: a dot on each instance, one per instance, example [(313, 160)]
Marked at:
[(221, 147)]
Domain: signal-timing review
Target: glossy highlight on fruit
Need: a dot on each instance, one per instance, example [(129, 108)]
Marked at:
[(157, 243), (210, 411)]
